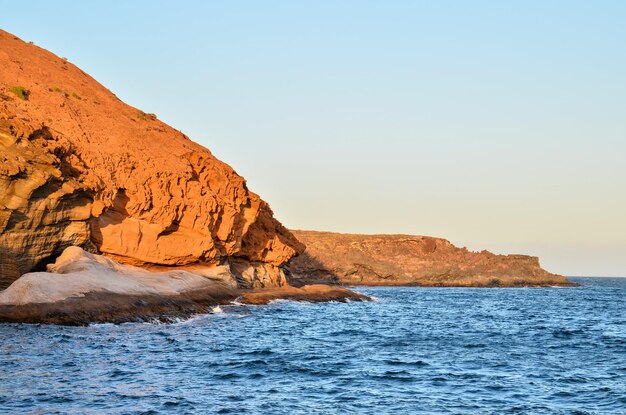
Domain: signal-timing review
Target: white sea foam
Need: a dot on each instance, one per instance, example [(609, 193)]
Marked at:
[(101, 325), (237, 302), (288, 301)]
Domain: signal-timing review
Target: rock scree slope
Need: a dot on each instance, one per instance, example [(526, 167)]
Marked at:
[(78, 167), (409, 260)]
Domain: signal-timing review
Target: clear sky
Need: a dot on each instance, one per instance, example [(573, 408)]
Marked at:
[(499, 125)]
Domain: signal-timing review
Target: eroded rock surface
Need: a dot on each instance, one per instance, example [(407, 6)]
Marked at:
[(78, 167), (9, 270), (409, 260), (77, 273)]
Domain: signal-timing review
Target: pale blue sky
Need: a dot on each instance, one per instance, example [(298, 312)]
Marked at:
[(495, 124)]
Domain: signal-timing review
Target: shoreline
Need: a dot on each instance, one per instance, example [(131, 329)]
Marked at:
[(81, 288), (418, 285), (107, 307)]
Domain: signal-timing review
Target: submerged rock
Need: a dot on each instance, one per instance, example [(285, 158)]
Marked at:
[(337, 258)]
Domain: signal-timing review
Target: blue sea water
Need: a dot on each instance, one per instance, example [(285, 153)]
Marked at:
[(413, 351)]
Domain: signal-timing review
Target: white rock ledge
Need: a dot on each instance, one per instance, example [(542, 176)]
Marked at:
[(77, 273)]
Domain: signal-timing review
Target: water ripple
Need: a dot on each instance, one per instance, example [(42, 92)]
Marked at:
[(413, 351)]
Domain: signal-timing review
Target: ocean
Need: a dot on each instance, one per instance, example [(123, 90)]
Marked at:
[(411, 351)]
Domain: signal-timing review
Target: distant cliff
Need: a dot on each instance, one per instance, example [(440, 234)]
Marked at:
[(78, 167), (409, 260)]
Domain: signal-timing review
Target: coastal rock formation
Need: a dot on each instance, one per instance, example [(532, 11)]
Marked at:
[(77, 273), (78, 167), (80, 288), (313, 293), (409, 260)]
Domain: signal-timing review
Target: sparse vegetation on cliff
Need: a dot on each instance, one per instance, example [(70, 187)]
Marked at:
[(145, 116), (21, 92)]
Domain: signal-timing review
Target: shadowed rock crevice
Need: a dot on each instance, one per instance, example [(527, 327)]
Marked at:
[(9, 270), (309, 270)]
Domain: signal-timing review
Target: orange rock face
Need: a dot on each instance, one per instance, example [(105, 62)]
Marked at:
[(409, 260), (80, 167)]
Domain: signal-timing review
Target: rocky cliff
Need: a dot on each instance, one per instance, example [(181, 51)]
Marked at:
[(78, 167), (409, 260)]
